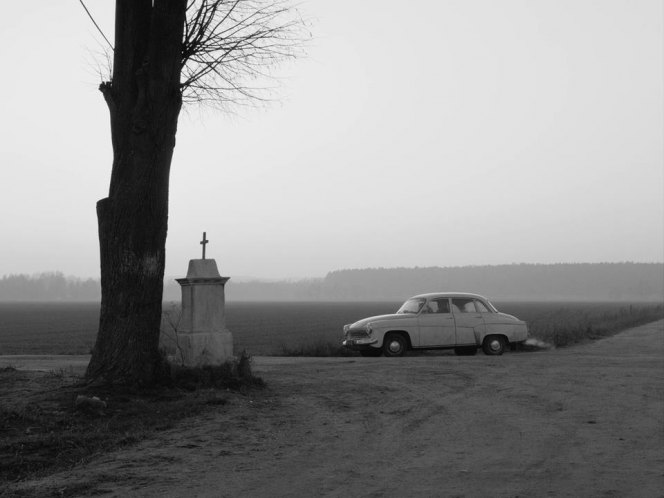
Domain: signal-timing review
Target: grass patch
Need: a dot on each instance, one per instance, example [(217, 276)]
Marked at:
[(231, 375), (317, 349), (44, 427), (576, 325)]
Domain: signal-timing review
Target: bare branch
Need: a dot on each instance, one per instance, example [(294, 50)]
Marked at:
[(230, 44), (231, 47)]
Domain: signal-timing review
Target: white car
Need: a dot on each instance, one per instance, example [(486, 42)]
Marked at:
[(442, 320)]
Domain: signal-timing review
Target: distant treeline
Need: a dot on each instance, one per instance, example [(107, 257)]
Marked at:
[(48, 287), (533, 282)]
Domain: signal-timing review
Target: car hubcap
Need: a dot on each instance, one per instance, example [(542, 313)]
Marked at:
[(495, 345), (395, 346)]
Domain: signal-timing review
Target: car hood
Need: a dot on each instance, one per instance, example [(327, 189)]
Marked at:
[(379, 318)]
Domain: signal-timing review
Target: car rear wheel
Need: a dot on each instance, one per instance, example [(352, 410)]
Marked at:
[(371, 353), (394, 345), (494, 345), (465, 350)]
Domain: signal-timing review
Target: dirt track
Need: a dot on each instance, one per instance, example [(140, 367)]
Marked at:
[(584, 421)]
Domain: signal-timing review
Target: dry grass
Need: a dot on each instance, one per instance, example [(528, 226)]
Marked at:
[(43, 430), (575, 324), (317, 349)]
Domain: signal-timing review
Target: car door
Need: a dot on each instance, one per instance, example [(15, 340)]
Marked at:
[(436, 324), (468, 319)]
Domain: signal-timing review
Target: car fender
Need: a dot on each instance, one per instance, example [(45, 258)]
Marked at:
[(380, 334), (513, 332)]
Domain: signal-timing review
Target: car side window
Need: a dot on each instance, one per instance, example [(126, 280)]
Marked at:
[(481, 307), (463, 305), (443, 305), (437, 306)]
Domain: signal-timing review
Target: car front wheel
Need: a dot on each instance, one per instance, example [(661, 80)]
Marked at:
[(394, 345), (494, 345)]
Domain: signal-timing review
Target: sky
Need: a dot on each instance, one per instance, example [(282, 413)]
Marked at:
[(421, 133)]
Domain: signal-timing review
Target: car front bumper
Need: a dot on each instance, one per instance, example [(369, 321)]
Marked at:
[(359, 344)]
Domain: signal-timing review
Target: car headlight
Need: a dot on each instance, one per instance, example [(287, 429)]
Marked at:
[(368, 328), (346, 328)]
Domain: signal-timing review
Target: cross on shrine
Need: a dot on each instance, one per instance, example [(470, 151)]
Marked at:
[(203, 243)]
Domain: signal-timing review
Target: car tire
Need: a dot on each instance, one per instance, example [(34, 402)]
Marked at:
[(494, 345), (394, 345), (371, 353), (465, 350)]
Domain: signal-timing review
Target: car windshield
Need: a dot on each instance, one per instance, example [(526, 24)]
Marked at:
[(491, 307), (411, 306)]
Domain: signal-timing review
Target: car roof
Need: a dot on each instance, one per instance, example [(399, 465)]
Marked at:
[(431, 295)]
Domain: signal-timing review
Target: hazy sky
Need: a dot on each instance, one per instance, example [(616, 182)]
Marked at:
[(421, 133)]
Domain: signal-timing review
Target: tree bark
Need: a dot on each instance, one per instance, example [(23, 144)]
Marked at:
[(144, 101)]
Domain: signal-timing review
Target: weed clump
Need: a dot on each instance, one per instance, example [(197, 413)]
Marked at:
[(235, 374), (317, 349)]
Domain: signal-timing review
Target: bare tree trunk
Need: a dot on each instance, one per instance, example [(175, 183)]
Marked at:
[(144, 100)]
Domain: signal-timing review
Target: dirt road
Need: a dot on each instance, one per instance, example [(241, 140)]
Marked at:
[(584, 421)]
